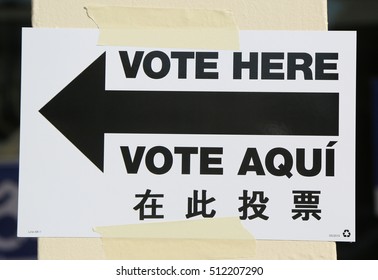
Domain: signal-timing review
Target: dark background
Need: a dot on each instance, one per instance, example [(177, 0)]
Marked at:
[(13, 15), (361, 16)]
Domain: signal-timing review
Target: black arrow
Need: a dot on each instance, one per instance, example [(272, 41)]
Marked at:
[(84, 111)]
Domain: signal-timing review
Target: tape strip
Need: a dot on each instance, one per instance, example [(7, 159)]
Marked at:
[(221, 238), (216, 228), (177, 249), (165, 28)]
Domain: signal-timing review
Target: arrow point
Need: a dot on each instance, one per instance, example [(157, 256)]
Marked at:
[(76, 111)]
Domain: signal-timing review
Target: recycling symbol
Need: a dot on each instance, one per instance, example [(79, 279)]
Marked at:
[(346, 233)]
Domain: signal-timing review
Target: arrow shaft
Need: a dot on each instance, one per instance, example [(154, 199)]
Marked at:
[(239, 113)]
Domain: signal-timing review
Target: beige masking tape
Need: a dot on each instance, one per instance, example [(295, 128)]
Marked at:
[(165, 28), (177, 249), (221, 238)]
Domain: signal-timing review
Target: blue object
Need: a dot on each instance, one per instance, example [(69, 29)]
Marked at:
[(12, 247)]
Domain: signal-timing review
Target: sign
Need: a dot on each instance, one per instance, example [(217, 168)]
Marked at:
[(126, 135)]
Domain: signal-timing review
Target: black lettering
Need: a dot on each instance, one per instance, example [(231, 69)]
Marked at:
[(132, 165), (284, 169), (267, 65), (185, 152), (167, 163), (202, 65), (293, 66), (206, 161), (316, 165), (165, 65), (131, 69), (330, 159), (182, 58), (321, 66), (251, 65), (251, 154)]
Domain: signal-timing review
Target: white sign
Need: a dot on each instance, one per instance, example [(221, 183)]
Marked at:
[(125, 135)]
